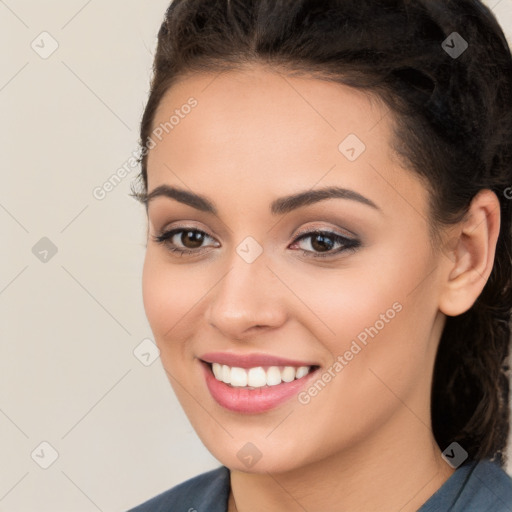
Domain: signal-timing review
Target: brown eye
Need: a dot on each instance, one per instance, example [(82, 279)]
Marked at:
[(192, 239), (184, 240), (321, 243)]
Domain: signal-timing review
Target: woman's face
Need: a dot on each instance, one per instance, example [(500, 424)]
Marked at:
[(361, 308)]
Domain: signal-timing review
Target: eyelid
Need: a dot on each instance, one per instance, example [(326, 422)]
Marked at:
[(351, 241), (186, 225), (345, 233), (169, 233), (305, 230)]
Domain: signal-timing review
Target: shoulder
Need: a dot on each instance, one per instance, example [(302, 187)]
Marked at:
[(476, 486), (205, 492), (488, 487)]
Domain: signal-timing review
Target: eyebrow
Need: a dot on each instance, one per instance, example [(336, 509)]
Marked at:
[(278, 206)]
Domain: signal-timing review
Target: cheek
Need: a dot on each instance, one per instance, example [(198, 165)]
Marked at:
[(377, 316), (169, 294), (347, 302)]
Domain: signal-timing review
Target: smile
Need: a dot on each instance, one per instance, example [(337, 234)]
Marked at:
[(259, 376), (255, 389)]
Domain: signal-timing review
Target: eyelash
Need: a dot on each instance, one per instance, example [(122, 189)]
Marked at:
[(348, 243)]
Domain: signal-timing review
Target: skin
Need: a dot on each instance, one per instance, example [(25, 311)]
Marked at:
[(364, 442)]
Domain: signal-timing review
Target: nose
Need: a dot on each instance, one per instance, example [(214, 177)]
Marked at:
[(249, 299)]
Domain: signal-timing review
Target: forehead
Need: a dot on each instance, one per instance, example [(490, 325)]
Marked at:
[(266, 130), (253, 105)]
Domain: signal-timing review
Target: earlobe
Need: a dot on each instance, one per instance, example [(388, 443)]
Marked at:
[(471, 254)]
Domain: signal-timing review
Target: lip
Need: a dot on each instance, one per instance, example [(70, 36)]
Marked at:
[(254, 401), (251, 360)]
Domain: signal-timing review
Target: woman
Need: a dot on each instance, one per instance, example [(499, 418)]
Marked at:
[(328, 266)]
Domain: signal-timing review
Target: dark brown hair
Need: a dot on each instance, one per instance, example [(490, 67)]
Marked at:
[(453, 127)]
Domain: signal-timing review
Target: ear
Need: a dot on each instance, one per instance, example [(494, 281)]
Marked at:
[(471, 254)]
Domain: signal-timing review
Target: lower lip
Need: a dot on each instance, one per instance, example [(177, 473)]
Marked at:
[(253, 400)]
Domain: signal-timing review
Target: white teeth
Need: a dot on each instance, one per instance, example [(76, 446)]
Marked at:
[(288, 374), (302, 372), (273, 376), (257, 377), (226, 374), (238, 377), (217, 371)]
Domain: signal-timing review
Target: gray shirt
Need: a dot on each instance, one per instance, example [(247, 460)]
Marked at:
[(474, 487)]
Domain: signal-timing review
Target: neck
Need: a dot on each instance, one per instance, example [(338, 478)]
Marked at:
[(398, 468)]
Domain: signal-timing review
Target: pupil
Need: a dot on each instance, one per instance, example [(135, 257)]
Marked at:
[(195, 239), (325, 243)]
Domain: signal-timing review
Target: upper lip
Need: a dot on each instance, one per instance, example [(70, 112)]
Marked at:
[(251, 360)]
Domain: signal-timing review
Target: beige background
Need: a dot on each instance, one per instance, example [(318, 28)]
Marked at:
[(70, 321)]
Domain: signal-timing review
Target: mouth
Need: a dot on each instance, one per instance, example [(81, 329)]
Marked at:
[(259, 376), (255, 389)]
